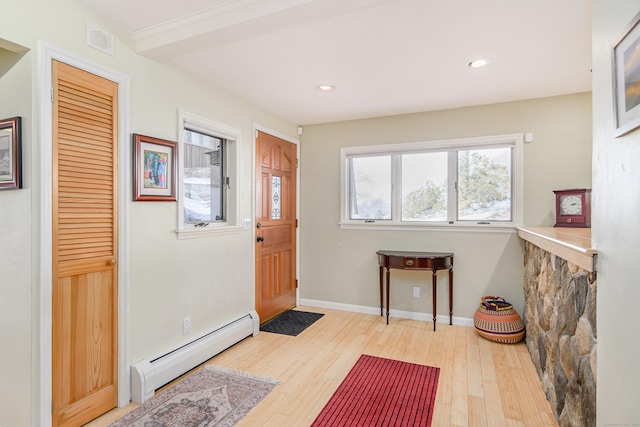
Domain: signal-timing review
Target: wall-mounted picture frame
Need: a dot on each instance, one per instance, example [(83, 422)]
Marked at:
[(11, 153), (626, 79), (154, 169)]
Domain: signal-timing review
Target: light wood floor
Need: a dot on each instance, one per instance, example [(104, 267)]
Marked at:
[(481, 383)]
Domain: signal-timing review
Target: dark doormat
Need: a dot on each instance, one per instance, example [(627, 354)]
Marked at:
[(291, 322)]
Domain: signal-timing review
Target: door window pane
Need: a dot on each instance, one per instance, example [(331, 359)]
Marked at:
[(424, 187), (276, 186), (370, 187), (484, 185)]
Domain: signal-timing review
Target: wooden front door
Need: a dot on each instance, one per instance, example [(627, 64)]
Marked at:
[(276, 283), (85, 242)]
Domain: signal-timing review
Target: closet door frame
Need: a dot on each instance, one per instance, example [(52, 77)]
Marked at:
[(43, 355)]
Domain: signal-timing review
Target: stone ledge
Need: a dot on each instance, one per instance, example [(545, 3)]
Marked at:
[(561, 333), (571, 244)]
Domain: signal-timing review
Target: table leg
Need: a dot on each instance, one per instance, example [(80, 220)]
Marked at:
[(388, 281), (381, 290), (451, 296), (433, 286)]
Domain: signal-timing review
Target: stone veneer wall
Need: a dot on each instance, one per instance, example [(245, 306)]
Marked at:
[(560, 319)]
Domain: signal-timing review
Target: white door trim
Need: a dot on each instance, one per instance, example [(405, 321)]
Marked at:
[(43, 386)]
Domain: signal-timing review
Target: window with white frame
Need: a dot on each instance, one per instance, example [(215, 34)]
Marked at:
[(469, 182), (208, 171)]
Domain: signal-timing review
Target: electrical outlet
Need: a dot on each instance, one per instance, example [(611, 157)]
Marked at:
[(416, 292), (186, 326)]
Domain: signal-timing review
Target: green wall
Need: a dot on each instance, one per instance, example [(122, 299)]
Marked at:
[(338, 267)]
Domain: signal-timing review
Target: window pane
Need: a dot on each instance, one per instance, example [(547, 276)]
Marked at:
[(484, 184), (203, 178), (276, 186), (424, 187), (370, 187)]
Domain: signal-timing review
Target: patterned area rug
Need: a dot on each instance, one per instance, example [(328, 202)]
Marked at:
[(382, 392), (291, 322), (213, 396)]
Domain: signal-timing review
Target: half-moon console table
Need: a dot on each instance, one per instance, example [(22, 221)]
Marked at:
[(402, 260)]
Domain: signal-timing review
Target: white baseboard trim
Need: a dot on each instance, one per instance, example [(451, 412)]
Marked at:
[(401, 314)]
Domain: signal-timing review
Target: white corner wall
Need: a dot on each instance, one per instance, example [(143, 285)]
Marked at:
[(616, 230)]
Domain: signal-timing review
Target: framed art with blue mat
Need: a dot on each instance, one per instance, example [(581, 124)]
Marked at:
[(291, 322)]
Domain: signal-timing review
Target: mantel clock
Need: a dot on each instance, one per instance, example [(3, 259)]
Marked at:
[(573, 208)]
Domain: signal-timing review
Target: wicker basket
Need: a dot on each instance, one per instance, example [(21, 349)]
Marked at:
[(496, 320)]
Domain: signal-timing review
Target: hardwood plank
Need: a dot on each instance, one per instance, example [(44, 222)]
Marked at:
[(487, 361), (477, 412), (539, 398), (460, 396), (493, 405), (530, 414), (510, 404), (513, 361), (477, 383), (495, 413), (446, 341), (441, 415)]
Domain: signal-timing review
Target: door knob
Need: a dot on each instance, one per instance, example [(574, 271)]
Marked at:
[(260, 239), (112, 262)]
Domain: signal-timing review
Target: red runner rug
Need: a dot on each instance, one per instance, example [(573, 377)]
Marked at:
[(382, 392)]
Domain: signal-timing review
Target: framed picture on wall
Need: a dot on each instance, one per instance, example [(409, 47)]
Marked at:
[(626, 79), (10, 153), (154, 169)]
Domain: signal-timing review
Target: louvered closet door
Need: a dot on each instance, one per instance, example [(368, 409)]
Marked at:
[(85, 241)]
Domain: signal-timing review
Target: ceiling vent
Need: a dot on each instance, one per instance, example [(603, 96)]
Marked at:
[(100, 39)]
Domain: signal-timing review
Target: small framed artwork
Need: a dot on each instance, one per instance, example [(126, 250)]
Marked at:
[(10, 153), (626, 79), (154, 169)]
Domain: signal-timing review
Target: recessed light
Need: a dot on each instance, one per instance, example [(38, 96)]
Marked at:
[(477, 63), (325, 88)]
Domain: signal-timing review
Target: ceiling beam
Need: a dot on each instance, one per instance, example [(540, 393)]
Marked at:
[(235, 20)]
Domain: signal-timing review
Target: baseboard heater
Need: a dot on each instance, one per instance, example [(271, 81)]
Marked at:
[(149, 375)]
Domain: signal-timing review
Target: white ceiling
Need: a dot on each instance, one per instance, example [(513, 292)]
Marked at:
[(384, 57)]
